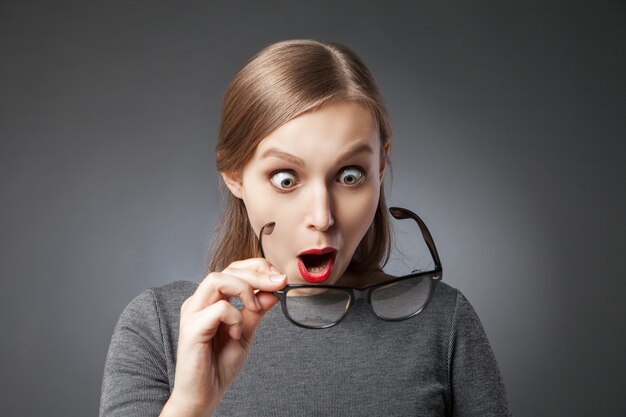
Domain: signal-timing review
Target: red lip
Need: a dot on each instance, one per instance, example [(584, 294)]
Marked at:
[(317, 277), (321, 251)]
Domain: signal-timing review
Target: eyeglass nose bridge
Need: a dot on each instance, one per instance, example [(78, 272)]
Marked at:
[(361, 294)]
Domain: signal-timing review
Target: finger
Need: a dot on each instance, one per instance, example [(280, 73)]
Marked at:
[(207, 321), (251, 319), (234, 282), (223, 286), (258, 280), (256, 264), (214, 288)]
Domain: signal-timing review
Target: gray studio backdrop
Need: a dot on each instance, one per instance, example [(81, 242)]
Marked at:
[(509, 125)]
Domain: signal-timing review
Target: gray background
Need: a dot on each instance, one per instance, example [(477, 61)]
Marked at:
[(509, 124)]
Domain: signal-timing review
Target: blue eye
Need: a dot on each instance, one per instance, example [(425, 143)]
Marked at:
[(351, 176), (284, 180)]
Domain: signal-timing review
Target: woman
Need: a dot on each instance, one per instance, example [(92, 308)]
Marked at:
[(303, 148)]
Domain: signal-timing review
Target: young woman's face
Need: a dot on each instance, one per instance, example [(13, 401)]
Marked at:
[(318, 177)]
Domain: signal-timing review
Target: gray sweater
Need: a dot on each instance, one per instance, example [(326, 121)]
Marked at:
[(438, 363)]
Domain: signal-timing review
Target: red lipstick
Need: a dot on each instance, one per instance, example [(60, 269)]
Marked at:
[(315, 265)]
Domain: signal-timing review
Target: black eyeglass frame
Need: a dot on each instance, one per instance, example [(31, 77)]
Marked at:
[(359, 293)]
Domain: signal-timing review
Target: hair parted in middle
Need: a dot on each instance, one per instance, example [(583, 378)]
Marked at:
[(279, 83)]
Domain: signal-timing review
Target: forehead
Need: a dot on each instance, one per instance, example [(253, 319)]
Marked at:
[(331, 127)]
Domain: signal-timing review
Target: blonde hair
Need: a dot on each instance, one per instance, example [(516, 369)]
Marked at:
[(279, 83)]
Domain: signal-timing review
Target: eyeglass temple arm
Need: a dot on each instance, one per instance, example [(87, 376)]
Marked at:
[(267, 229), (397, 212), (402, 213)]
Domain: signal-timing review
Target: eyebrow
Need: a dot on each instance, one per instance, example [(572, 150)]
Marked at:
[(359, 148), (282, 155)]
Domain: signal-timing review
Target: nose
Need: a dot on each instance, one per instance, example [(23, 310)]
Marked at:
[(319, 211)]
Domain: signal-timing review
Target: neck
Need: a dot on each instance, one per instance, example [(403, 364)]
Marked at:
[(362, 279)]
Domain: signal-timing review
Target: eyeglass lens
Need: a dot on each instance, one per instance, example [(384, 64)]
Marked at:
[(401, 298), (317, 307)]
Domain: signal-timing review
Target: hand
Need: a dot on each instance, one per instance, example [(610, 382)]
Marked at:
[(215, 337)]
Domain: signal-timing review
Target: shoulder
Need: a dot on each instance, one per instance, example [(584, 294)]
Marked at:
[(451, 312), (451, 300), (161, 302), (474, 376), (445, 300), (140, 362), (463, 315), (150, 321), (173, 295)]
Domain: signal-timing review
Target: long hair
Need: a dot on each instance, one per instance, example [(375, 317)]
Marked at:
[(279, 83)]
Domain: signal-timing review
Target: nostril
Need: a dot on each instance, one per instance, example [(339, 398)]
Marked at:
[(323, 222), (319, 211)]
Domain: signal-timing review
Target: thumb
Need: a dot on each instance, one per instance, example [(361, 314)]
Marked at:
[(251, 319)]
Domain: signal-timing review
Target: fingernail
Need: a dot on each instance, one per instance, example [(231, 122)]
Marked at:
[(258, 303), (277, 278), (273, 270)]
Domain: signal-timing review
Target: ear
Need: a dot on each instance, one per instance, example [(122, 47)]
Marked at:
[(383, 160), (233, 182)]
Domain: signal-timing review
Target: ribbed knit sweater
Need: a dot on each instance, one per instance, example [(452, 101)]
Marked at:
[(438, 363)]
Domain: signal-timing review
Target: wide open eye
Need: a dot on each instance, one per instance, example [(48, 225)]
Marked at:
[(351, 176), (284, 180)]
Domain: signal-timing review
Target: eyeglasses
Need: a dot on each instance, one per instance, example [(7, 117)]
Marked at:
[(323, 306)]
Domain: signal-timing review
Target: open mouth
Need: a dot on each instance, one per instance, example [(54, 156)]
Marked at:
[(315, 265)]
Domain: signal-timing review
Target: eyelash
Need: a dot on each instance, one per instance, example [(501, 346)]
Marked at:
[(292, 172)]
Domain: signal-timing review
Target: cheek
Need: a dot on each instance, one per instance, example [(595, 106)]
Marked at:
[(264, 207), (259, 204), (359, 214)]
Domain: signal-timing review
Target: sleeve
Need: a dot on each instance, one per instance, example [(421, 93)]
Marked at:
[(477, 388), (135, 381)]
